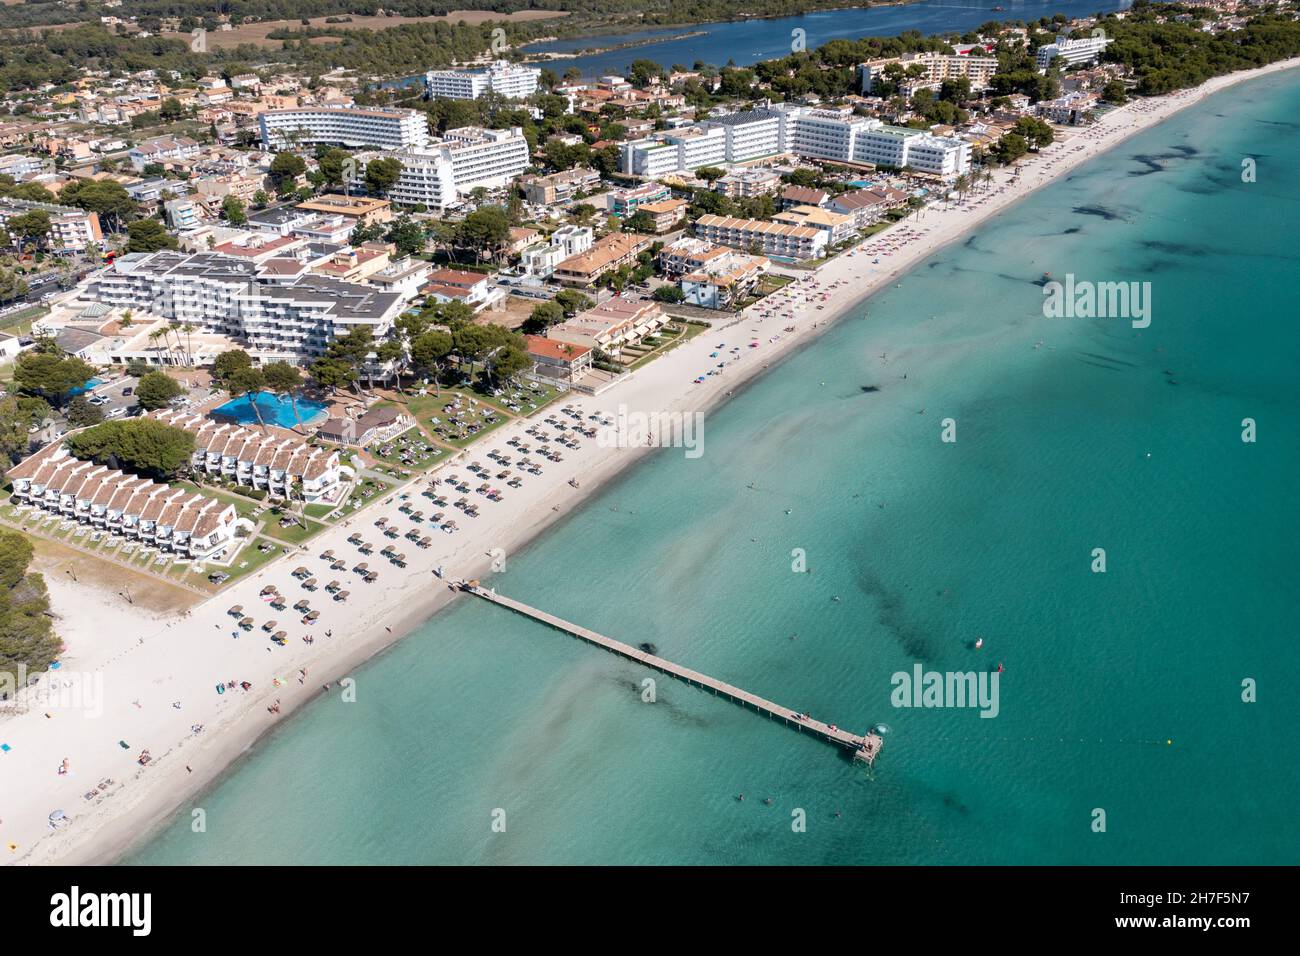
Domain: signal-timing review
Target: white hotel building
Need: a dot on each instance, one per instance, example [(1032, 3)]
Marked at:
[(291, 320), (273, 461), (844, 138), (828, 135), (343, 126), (1071, 52), (115, 502), (438, 174), (717, 141), (938, 67), (773, 239), (502, 77)]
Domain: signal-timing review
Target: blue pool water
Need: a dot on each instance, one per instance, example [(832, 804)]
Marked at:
[(275, 410), (81, 389)]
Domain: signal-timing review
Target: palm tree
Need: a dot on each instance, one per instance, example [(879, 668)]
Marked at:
[(283, 379), (248, 382), (154, 336)]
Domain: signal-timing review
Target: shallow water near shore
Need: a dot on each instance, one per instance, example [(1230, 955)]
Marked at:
[(1121, 691)]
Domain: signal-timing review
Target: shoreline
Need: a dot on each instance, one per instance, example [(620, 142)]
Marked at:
[(146, 800)]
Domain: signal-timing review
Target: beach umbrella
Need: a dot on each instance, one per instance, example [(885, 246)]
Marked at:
[(341, 596)]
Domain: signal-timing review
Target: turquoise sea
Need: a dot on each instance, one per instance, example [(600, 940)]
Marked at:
[(1083, 443)]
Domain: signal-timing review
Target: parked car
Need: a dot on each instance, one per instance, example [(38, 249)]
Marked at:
[(219, 577), (128, 391), (117, 413)]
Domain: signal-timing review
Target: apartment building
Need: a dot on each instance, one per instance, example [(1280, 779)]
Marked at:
[(610, 326), (359, 210), (540, 260), (559, 187), (18, 165), (1071, 52), (389, 129), (837, 226), (747, 183), (712, 276), (749, 135), (70, 228), (681, 150), (276, 320), (183, 522), (439, 174), (717, 141), (864, 206), (625, 202), (573, 240), (665, 213), (937, 67), (502, 77), (183, 214), (1072, 109), (562, 361), (163, 149), (772, 239), (844, 138), (273, 461), (612, 252)]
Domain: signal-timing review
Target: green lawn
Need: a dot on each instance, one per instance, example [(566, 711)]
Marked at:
[(423, 461), (246, 562), (244, 506), (292, 534), (690, 331)]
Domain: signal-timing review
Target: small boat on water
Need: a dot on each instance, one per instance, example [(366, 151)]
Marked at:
[(979, 642)]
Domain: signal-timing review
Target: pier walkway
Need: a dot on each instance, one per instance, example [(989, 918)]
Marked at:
[(863, 748)]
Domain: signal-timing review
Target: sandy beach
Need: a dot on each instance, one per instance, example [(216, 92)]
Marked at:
[(151, 674)]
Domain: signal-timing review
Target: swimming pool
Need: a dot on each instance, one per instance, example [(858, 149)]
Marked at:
[(81, 389), (275, 410)]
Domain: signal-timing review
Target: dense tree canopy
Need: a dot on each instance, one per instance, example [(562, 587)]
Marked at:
[(27, 635), (50, 375), (142, 446)]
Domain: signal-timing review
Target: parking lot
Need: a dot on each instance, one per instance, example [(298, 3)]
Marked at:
[(115, 398)]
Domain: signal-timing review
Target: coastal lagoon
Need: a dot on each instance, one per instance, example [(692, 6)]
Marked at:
[(1121, 691), (744, 42)]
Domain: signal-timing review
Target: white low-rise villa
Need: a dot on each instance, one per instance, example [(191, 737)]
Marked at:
[(172, 519), (273, 460)]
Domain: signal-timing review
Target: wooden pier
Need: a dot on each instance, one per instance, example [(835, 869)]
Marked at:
[(863, 748)]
